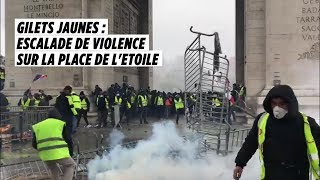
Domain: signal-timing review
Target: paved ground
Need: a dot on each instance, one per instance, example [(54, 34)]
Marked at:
[(86, 137), (89, 138)]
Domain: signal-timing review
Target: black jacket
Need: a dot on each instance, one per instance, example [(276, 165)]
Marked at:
[(285, 143), (63, 106)]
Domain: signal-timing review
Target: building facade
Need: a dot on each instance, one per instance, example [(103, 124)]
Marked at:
[(278, 43), (125, 17)]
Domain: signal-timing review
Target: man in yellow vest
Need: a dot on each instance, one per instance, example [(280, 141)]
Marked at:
[(142, 104), (85, 108), (42, 94), (179, 105), (24, 102), (54, 147), (126, 110), (77, 106), (133, 102), (37, 99), (159, 102), (217, 109), (287, 141), (119, 102)]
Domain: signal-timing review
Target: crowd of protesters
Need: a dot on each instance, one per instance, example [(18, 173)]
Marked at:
[(134, 104), (141, 104)]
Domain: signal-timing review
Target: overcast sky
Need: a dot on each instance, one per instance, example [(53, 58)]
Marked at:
[(173, 18), (171, 22)]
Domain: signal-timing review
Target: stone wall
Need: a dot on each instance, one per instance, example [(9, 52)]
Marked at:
[(128, 16), (282, 47), (255, 46)]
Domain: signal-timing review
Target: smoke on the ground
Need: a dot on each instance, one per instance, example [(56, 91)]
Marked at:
[(166, 156), (116, 137)]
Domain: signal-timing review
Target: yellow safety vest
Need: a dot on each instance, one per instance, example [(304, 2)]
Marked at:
[(241, 91), (216, 102), (312, 150), (73, 109), (50, 143), (76, 100), (144, 100), (133, 98), (117, 100), (84, 104), (178, 104), (36, 102), (107, 103), (128, 105), (160, 101), (26, 104), (2, 76)]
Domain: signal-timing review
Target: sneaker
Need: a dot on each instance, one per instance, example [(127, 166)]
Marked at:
[(97, 125), (89, 126)]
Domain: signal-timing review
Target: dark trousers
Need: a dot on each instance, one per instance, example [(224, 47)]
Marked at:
[(122, 111), (68, 118), (102, 117), (160, 110), (126, 112), (1, 85), (231, 112), (143, 114), (286, 173), (83, 113), (168, 110), (178, 112)]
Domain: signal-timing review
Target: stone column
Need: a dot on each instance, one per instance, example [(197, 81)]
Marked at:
[(255, 56), (292, 50)]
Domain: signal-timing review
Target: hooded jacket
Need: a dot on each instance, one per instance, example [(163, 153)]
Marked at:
[(285, 143)]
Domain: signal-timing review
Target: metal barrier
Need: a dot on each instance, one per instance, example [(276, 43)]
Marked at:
[(19, 124), (32, 169), (206, 77)]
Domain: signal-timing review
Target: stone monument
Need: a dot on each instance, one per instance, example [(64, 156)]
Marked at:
[(282, 41), (125, 17)]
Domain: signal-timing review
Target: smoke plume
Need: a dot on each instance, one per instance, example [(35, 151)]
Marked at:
[(166, 156), (116, 137)]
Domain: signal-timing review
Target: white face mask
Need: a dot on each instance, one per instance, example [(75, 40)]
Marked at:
[(279, 112)]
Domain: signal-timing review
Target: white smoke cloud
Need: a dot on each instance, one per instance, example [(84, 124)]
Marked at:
[(166, 156), (116, 137)]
